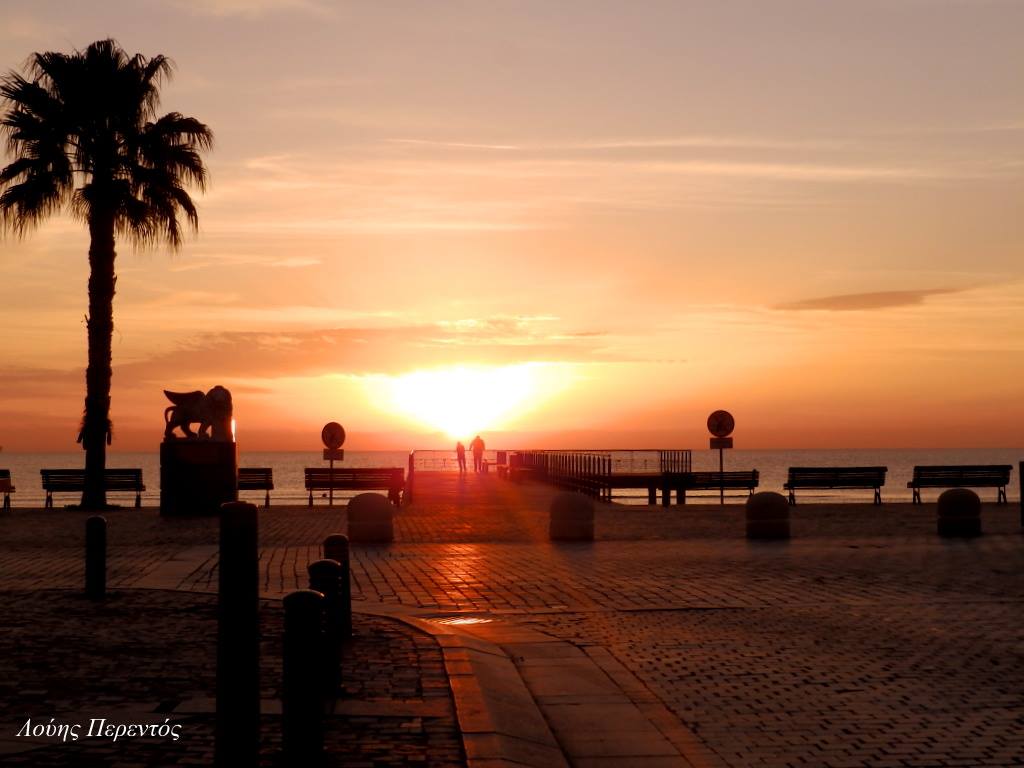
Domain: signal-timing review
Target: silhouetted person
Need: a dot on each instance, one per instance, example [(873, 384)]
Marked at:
[(460, 453), (477, 446)]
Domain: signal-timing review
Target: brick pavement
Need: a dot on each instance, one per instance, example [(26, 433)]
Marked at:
[(864, 641), (144, 656)]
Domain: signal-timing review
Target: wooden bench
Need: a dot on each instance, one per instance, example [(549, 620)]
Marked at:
[(73, 481), (746, 480), (357, 478), (6, 488), (836, 477), (962, 476), (256, 479)]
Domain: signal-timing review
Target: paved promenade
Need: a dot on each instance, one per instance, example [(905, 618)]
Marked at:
[(865, 641)]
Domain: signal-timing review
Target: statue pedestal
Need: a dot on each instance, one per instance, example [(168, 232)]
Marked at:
[(197, 476)]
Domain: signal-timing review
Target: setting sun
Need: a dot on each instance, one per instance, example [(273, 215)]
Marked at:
[(465, 400)]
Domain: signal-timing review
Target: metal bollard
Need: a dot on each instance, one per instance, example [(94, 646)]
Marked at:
[(336, 548), (96, 557), (302, 689), (237, 727), (325, 577)]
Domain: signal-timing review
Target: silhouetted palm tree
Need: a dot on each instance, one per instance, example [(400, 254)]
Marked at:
[(82, 132)]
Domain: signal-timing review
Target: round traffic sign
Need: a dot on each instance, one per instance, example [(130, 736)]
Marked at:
[(333, 435), (721, 423)]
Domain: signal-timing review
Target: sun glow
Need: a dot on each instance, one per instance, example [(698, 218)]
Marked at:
[(465, 400)]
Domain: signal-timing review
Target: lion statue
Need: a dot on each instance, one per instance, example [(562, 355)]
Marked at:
[(211, 410)]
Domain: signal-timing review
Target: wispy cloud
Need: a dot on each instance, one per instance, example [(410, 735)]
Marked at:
[(867, 301), (253, 8), (455, 144)]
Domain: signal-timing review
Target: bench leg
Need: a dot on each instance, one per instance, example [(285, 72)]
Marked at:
[(652, 496), (310, 498), (792, 498), (138, 499), (917, 496), (666, 496), (48, 504), (878, 497), (7, 502), (682, 496), (266, 500), (1001, 495)]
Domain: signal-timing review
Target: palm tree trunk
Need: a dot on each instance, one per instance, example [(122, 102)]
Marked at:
[(100, 323)]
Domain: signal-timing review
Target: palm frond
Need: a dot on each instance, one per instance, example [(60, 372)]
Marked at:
[(91, 114)]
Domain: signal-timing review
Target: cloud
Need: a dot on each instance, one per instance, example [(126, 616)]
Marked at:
[(865, 301), (252, 8), (358, 351)]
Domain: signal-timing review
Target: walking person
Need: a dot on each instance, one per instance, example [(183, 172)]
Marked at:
[(460, 454), (477, 446)]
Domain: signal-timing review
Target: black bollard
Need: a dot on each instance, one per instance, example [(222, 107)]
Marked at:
[(336, 548), (237, 728), (302, 706), (96, 557), (325, 577)]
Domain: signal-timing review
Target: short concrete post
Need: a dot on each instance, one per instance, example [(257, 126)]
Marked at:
[(96, 557), (237, 727), (767, 516), (370, 519), (325, 578), (302, 690), (959, 513), (572, 517), (336, 548)]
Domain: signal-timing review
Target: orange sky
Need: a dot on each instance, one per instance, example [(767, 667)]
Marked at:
[(575, 224)]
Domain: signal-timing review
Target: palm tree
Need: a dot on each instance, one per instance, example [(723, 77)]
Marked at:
[(82, 131)]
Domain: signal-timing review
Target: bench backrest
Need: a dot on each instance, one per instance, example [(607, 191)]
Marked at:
[(743, 479), (387, 476), (74, 479), (826, 476), (256, 478), (964, 473)]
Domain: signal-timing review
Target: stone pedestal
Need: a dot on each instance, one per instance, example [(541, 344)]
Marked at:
[(767, 516), (959, 513), (370, 519), (197, 476), (572, 518)]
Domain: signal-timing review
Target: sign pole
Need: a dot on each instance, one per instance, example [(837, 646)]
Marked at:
[(721, 424), (721, 477), (333, 437)]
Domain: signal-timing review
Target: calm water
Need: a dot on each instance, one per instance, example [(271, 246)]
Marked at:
[(773, 465)]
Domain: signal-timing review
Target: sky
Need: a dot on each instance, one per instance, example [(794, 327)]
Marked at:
[(573, 224)]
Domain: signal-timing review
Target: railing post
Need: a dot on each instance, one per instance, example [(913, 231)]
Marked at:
[(302, 736), (237, 727), (96, 557), (325, 578), (408, 494), (336, 548)]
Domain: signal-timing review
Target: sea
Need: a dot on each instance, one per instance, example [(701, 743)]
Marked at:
[(773, 466)]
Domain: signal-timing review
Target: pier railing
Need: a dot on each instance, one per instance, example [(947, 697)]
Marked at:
[(582, 471), (593, 472), (600, 473), (675, 461)]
